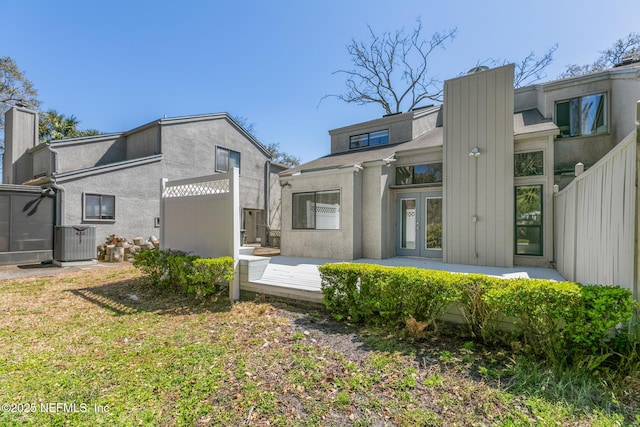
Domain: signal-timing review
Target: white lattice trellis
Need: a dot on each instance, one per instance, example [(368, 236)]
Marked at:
[(197, 189)]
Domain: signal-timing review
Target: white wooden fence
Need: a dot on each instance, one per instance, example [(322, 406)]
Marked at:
[(595, 221), (202, 215)]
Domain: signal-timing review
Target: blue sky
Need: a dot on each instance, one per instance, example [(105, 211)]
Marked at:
[(117, 64)]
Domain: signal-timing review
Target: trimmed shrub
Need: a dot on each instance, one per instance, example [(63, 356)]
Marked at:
[(178, 271), (209, 273), (560, 321), (541, 309), (482, 319)]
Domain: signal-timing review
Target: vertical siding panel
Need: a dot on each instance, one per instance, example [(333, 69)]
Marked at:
[(479, 115)]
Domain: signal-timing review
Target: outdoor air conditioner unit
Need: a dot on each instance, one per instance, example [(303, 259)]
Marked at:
[(74, 242)]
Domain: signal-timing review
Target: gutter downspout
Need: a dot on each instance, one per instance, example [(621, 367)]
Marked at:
[(59, 189)]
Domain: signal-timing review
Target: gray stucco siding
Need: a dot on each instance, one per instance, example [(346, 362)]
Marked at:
[(88, 152), (137, 200), (342, 244), (143, 142), (189, 150)]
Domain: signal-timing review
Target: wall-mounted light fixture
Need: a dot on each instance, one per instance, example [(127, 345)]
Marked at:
[(475, 152)]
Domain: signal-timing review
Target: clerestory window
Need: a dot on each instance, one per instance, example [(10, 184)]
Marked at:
[(370, 139)]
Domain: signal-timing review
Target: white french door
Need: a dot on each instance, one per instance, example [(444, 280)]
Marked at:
[(419, 224)]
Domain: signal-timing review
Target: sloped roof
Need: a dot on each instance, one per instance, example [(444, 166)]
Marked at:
[(524, 122), (432, 138), (530, 121)]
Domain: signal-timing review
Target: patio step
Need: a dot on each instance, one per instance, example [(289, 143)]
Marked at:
[(252, 267)]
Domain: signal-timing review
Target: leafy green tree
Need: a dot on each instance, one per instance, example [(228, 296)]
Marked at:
[(281, 157), (622, 49), (54, 126), (274, 148)]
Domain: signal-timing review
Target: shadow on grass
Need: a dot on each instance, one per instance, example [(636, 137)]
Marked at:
[(135, 295)]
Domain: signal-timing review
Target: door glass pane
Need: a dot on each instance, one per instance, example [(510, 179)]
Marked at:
[(433, 221), (528, 220), (408, 214)]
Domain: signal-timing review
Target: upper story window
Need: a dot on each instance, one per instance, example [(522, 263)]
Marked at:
[(529, 164), (419, 174), (370, 139), (586, 115), (226, 159)]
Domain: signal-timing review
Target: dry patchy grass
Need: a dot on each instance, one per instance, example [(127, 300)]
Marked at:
[(103, 339)]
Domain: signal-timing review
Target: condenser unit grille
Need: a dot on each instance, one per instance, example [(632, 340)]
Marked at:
[(74, 242)]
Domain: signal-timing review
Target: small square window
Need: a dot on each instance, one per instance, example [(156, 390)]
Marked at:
[(529, 164), (226, 159), (99, 207)]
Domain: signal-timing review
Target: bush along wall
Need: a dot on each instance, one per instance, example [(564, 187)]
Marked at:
[(559, 321), (181, 272)]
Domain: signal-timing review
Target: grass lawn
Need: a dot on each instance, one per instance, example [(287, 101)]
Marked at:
[(98, 348)]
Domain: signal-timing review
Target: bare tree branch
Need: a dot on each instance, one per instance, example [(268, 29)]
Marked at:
[(622, 49), (531, 68), (392, 69)]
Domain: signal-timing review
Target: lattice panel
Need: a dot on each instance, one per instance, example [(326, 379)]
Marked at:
[(197, 189)]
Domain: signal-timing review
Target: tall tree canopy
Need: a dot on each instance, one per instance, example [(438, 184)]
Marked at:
[(392, 70), (15, 88), (622, 49), (53, 126), (277, 155)]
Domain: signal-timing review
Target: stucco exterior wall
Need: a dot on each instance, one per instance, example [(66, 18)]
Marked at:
[(478, 191), (137, 200), (342, 244), (625, 93), (399, 127), (189, 150), (41, 162), (373, 218), (82, 153), (143, 142)]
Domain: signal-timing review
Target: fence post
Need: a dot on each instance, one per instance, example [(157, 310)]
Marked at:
[(234, 189)]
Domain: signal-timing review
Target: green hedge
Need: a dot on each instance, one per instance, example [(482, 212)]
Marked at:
[(181, 272), (556, 320)]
